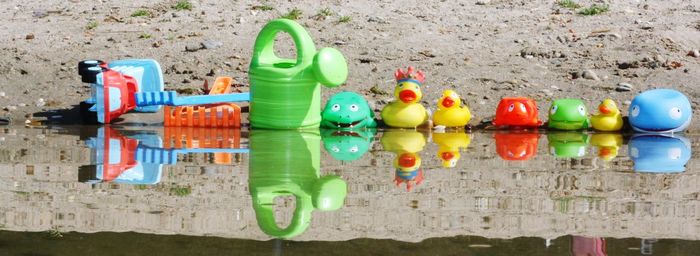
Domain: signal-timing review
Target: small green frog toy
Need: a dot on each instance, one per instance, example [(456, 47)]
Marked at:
[(568, 114), (347, 110)]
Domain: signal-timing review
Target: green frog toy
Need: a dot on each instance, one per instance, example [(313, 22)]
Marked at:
[(568, 114), (347, 110)]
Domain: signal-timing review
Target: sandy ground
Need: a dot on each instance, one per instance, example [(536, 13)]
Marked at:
[(482, 49)]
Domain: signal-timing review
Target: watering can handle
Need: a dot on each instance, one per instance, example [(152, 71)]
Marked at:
[(264, 52), (266, 218)]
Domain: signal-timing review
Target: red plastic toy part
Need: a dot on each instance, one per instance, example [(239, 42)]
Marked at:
[(126, 85), (516, 112)]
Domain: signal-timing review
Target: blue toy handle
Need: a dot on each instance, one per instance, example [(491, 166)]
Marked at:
[(170, 98), (145, 154)]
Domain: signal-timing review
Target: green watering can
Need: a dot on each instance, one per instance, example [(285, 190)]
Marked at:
[(285, 93), (284, 163)]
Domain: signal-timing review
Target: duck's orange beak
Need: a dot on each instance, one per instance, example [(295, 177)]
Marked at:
[(447, 156), (604, 109), (604, 152), (407, 96), (407, 160), (447, 102)]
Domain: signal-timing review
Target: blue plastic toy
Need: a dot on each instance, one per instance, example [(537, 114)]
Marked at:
[(660, 111), (659, 153), (125, 85)]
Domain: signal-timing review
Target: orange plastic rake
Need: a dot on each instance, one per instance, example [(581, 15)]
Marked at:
[(213, 115)]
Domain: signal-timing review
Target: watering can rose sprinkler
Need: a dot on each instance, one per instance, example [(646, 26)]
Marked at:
[(285, 93)]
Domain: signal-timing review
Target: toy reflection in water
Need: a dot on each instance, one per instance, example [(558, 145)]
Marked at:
[(114, 158), (608, 144), (450, 143), (406, 145), (347, 145), (516, 146), (659, 153), (287, 163), (139, 158), (588, 246), (568, 144)]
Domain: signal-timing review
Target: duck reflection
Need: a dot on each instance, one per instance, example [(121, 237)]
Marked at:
[(659, 153), (347, 145), (450, 143), (139, 156), (516, 146), (608, 144), (287, 163), (568, 144), (407, 163)]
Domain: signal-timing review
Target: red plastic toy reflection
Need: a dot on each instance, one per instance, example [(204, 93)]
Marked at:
[(516, 146), (517, 112), (588, 246), (124, 146)]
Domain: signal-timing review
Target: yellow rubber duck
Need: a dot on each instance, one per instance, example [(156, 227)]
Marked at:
[(450, 113), (609, 119), (406, 145), (406, 112), (449, 146), (608, 144)]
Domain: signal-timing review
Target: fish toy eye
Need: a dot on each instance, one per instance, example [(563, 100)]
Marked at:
[(635, 111), (675, 113), (522, 108), (511, 107), (335, 107), (354, 108), (582, 110)]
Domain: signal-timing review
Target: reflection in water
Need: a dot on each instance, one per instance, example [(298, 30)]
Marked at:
[(659, 153), (450, 143), (139, 157), (588, 246), (515, 146), (608, 144), (407, 163), (347, 145), (287, 163), (568, 144)]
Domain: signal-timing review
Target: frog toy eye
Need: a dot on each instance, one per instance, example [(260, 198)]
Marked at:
[(335, 149), (582, 110), (354, 149), (675, 113), (511, 107), (635, 111), (354, 108), (553, 110), (335, 107)]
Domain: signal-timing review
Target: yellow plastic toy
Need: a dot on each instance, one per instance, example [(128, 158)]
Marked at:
[(406, 112), (608, 144), (450, 113), (449, 146), (609, 119), (406, 145)]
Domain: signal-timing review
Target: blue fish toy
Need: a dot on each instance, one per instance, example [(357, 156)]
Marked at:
[(660, 111), (659, 153)]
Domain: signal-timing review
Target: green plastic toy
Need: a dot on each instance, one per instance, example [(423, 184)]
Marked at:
[(347, 110), (568, 114), (285, 93), (568, 144), (286, 163), (347, 145)]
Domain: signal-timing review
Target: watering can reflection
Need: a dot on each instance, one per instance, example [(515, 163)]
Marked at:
[(659, 153), (285, 93), (287, 163)]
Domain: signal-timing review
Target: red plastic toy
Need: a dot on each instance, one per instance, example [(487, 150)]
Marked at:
[(517, 112), (516, 146)]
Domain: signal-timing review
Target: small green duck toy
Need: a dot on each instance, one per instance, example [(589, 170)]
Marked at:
[(569, 115)]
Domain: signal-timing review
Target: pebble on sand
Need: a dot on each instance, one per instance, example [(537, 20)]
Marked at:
[(212, 44), (2, 94), (29, 36), (623, 87), (589, 74), (694, 53)]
